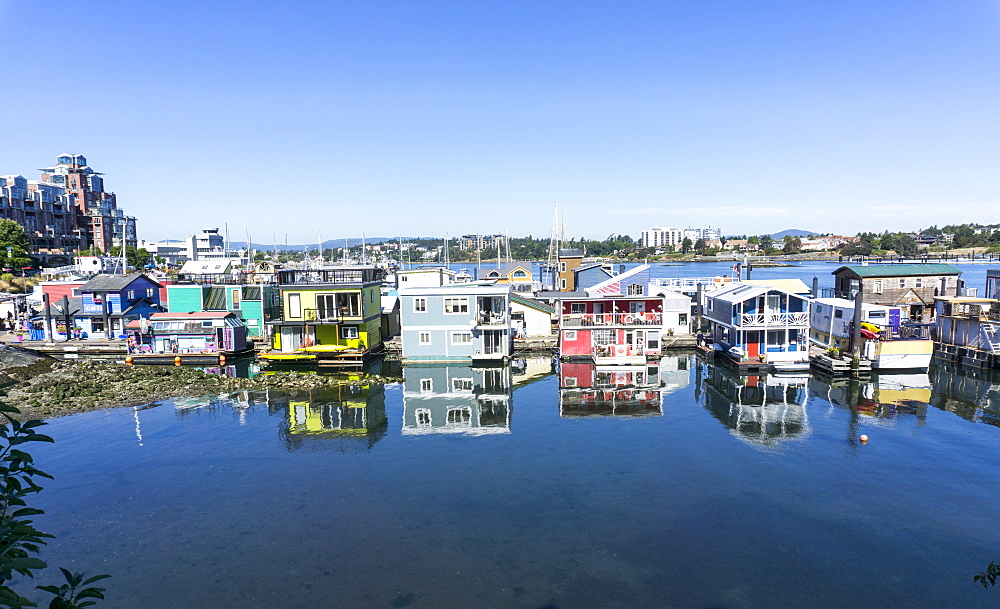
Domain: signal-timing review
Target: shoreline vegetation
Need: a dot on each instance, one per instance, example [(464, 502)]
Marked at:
[(42, 387)]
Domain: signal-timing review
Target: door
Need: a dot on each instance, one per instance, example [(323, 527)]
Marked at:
[(291, 338), (753, 344), (639, 344)]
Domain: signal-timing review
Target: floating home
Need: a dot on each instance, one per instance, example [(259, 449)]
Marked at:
[(107, 303), (967, 331), (889, 342), (610, 329), (468, 322), (911, 287), (759, 325), (208, 334), (333, 313), (457, 399), (246, 301)]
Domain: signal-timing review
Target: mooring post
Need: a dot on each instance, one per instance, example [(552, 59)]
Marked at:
[(856, 337)]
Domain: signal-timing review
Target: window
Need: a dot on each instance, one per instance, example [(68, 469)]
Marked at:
[(459, 416), (426, 384), (636, 306), (461, 338), (876, 314), (562, 267), (577, 308), (461, 384), (710, 304), (294, 306), (569, 381), (423, 414), (150, 292), (236, 297), (456, 305), (562, 283), (918, 282), (876, 287), (839, 313), (569, 335), (635, 290), (519, 274), (603, 337), (775, 337), (819, 309), (349, 304), (419, 305), (902, 282), (404, 278), (425, 338), (327, 305), (682, 319), (130, 295), (348, 332)]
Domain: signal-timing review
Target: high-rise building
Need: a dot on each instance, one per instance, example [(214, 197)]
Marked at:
[(66, 211), (666, 237)]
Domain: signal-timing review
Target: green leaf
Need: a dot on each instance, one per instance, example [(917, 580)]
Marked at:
[(96, 578)]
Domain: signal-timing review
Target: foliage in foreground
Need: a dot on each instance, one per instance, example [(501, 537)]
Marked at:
[(988, 577), (20, 541)]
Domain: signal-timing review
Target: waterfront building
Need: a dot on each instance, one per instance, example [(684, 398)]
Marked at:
[(248, 302), (911, 287), (887, 340), (457, 399), (967, 330), (328, 310), (587, 276), (610, 329), (530, 317), (665, 237), (992, 284), (589, 390), (106, 304), (423, 277), (759, 323), (191, 332), (516, 274), (467, 322), (569, 261)]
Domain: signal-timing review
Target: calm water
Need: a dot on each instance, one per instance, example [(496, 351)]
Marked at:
[(677, 485)]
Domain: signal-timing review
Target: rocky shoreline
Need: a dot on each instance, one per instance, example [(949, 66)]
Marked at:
[(43, 387)]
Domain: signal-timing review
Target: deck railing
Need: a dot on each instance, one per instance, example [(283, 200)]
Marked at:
[(491, 318), (576, 320), (773, 319)]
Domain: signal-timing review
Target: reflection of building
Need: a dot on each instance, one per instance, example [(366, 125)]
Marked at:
[(885, 397), (456, 399), (762, 410), (586, 389), (971, 393), (343, 412)]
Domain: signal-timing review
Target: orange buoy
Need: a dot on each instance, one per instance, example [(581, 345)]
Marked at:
[(128, 361), (864, 439), (177, 360), (222, 360)]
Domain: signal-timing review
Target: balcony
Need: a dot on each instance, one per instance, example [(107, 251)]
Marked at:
[(581, 320), (491, 318), (772, 319)]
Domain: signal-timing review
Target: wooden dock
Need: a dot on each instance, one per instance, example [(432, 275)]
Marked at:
[(839, 366)]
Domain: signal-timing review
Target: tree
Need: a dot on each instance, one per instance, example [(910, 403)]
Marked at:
[(766, 243), (14, 245), (699, 246), (791, 244), (686, 245), (139, 258), (93, 250)]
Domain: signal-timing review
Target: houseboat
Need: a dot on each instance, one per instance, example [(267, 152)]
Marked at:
[(968, 331), (587, 389), (889, 342), (197, 337), (608, 330), (760, 327), (457, 399), (466, 322)]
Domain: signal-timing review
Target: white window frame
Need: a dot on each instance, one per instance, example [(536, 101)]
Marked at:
[(420, 304), (569, 334), (455, 336), (426, 384), (876, 287), (424, 338), (577, 308), (422, 416), (461, 303), (347, 331), (294, 306), (635, 289)]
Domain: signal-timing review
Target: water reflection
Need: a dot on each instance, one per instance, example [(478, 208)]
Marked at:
[(344, 417), (760, 409), (586, 389), (883, 399), (971, 393), (454, 398)]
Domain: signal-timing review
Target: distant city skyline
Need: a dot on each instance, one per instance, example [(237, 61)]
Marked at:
[(439, 118)]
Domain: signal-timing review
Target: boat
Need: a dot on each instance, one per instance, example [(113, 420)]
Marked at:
[(287, 357)]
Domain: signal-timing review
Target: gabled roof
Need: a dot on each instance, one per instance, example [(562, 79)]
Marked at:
[(744, 291), (900, 270), (531, 303), (614, 283), (74, 306), (506, 268), (114, 283), (193, 315)]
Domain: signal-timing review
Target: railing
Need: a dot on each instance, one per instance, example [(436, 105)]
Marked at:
[(611, 319), (773, 319), (274, 313), (335, 276), (490, 318), (690, 284), (832, 293)]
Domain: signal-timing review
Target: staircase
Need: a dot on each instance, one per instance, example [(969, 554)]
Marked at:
[(991, 336)]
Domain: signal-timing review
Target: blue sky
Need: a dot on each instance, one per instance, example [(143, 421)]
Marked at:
[(433, 118)]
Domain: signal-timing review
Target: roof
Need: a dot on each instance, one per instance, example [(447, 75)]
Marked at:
[(795, 286), (900, 270), (743, 291), (506, 268), (461, 288), (616, 279), (114, 283), (193, 315), (389, 302), (531, 303), (571, 253), (75, 306)]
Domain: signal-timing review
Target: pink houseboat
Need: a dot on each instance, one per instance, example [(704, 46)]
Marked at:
[(610, 329)]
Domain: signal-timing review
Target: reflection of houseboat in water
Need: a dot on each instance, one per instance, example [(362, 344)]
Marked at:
[(456, 398), (761, 409), (971, 393), (586, 389), (346, 412), (884, 397)]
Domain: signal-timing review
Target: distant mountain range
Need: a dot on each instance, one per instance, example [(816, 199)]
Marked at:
[(330, 244), (793, 232)]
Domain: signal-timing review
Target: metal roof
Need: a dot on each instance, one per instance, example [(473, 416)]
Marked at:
[(900, 270), (112, 283)]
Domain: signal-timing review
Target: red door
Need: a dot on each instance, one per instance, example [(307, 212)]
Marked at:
[(753, 344)]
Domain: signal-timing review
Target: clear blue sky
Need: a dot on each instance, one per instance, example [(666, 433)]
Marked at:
[(427, 118)]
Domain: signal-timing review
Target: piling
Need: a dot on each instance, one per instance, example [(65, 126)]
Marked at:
[(856, 338)]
